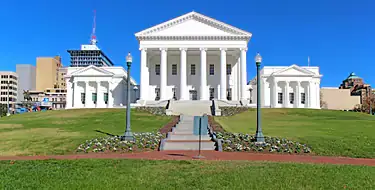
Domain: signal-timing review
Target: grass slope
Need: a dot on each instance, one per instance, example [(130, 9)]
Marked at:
[(58, 132), (328, 132), (143, 174)]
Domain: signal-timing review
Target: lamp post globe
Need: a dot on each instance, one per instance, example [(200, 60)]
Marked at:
[(128, 136), (259, 134)]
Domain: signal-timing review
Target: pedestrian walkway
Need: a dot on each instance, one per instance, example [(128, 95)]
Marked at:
[(209, 155)]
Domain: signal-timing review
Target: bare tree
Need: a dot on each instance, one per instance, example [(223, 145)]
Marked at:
[(323, 104)]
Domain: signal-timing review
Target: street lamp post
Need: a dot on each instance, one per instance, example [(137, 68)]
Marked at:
[(128, 136), (259, 134)]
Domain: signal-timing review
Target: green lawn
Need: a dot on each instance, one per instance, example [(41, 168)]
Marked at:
[(59, 132), (328, 132), (144, 174)]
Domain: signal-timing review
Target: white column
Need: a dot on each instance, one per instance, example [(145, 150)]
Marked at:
[(87, 95), (203, 85), (308, 98), (223, 73), (110, 92), (163, 74), (286, 95), (317, 90), (297, 95), (75, 100), (274, 93), (243, 73), (144, 82), (183, 76), (69, 95), (99, 98)]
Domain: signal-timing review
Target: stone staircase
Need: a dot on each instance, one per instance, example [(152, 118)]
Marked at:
[(190, 107), (184, 136)]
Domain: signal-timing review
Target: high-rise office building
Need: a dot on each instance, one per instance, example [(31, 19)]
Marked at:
[(26, 79), (8, 87), (47, 72)]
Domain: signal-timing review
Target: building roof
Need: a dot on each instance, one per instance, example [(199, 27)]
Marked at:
[(186, 26), (353, 76)]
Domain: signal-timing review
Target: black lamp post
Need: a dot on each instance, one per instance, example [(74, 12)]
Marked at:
[(128, 136), (259, 134)]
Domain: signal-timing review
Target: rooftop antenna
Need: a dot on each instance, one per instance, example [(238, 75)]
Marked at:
[(308, 61), (93, 36)]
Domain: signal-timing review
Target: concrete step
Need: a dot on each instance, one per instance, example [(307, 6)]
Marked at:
[(186, 137), (182, 130), (187, 145)]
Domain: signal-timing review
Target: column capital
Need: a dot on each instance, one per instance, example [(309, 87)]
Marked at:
[(223, 49), (203, 49), (183, 49), (243, 49), (143, 49), (287, 82), (87, 82), (163, 49)]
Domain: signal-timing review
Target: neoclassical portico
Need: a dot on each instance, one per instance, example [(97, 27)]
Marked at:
[(193, 57), (98, 87), (290, 87)]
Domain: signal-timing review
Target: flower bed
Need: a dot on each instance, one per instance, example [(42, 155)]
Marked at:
[(229, 111), (245, 143), (143, 142), (152, 110)]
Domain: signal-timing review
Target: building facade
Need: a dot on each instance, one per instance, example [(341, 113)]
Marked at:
[(89, 55), (357, 87), (335, 98), (47, 72), (26, 79), (8, 88), (193, 57), (288, 87), (54, 98), (98, 87)]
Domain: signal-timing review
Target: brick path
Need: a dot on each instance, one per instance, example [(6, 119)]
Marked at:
[(209, 155)]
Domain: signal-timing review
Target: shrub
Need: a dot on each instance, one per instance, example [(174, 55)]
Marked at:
[(246, 143), (143, 142), (229, 111), (152, 110)]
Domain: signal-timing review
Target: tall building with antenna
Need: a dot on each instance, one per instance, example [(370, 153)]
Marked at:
[(89, 54)]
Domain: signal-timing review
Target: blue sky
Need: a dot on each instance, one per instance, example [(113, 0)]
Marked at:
[(339, 36)]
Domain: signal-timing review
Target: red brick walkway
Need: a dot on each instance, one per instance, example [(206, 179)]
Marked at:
[(209, 155)]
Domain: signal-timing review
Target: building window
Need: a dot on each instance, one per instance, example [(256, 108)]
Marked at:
[(291, 98), (229, 69), (192, 69), (94, 96), (83, 97), (106, 98), (212, 69), (174, 69), (157, 69), (157, 93), (303, 98), (174, 93), (279, 98)]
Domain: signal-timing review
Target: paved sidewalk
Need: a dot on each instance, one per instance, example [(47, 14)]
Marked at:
[(209, 155)]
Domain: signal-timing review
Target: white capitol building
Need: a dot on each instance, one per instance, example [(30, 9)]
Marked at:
[(194, 57)]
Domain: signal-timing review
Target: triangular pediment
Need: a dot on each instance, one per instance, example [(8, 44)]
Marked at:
[(293, 70), (92, 71), (193, 24)]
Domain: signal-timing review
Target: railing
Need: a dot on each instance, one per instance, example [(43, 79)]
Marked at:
[(218, 142)]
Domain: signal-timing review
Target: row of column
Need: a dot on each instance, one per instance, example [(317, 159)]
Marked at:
[(297, 94), (204, 95), (75, 96)]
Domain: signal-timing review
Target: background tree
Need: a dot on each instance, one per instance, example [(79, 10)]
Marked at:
[(3, 110), (366, 104), (323, 104)]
